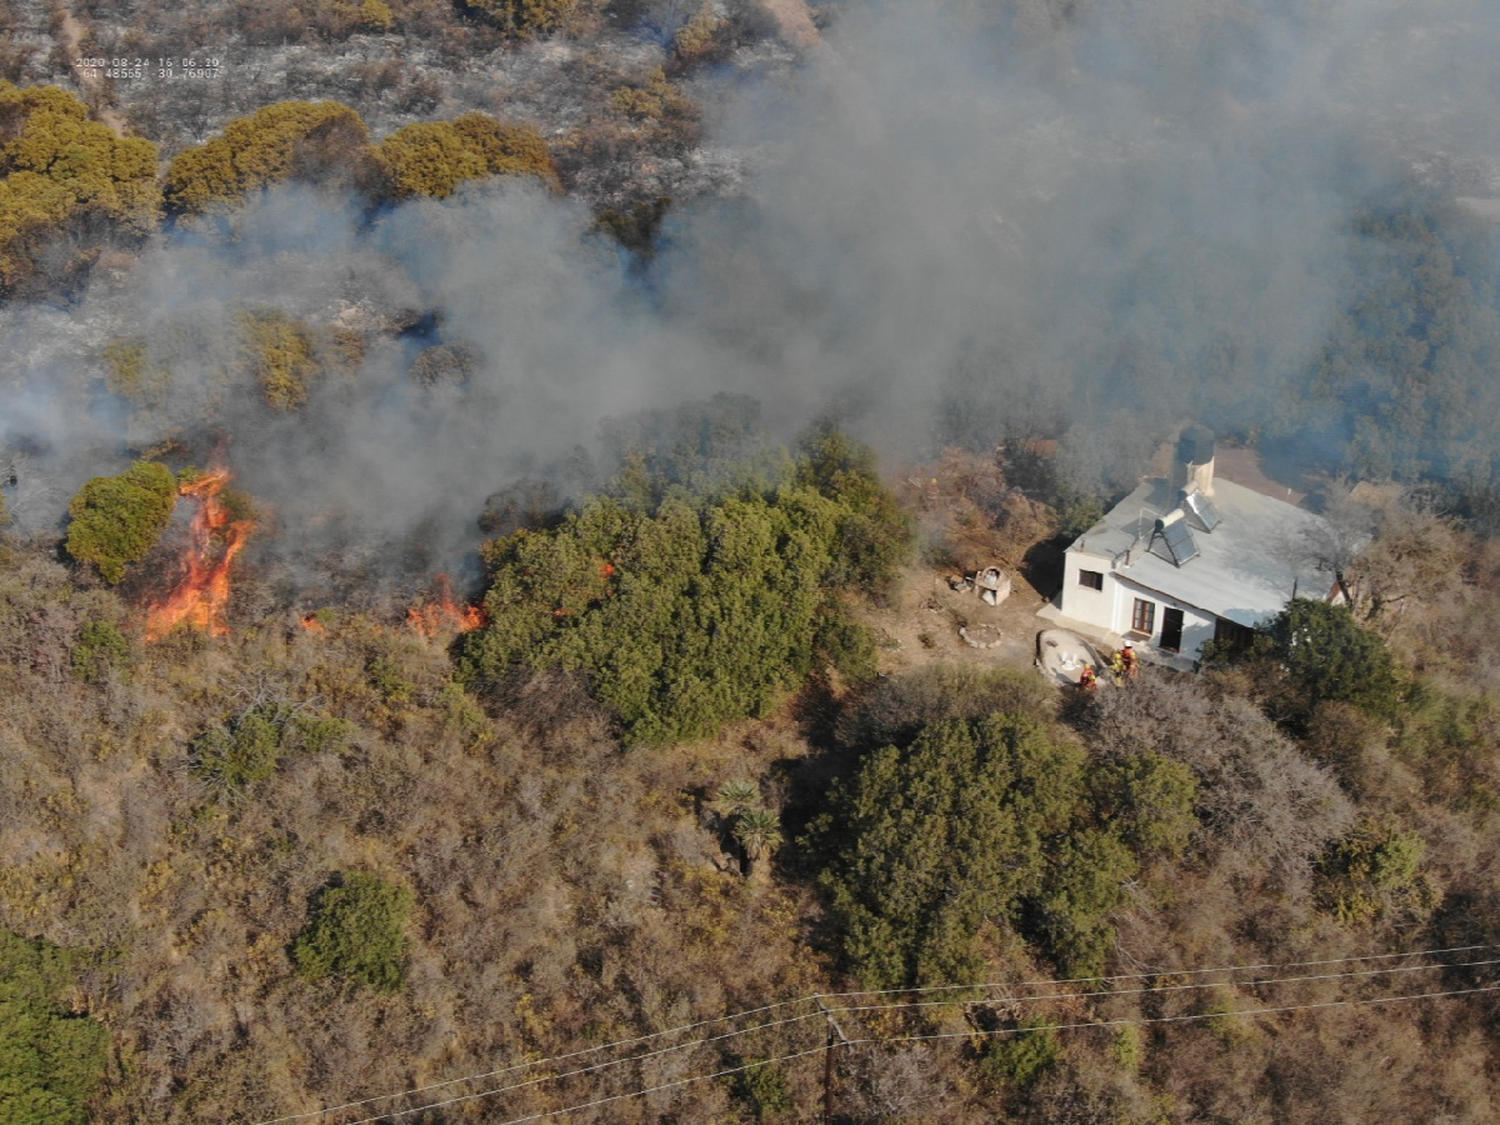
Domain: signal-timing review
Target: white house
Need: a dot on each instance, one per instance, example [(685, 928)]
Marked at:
[(1184, 560)]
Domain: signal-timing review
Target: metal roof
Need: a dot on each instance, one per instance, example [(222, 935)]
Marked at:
[(1245, 570)]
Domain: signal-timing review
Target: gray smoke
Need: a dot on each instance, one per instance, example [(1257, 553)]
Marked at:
[(965, 222)]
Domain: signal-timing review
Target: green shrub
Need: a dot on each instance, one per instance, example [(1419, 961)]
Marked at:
[(1375, 872), (432, 158), (117, 520), (683, 618), (521, 19), (357, 932), (62, 173), (234, 758), (1023, 1057), (51, 1060), (311, 141), (762, 1087), (100, 648), (280, 353)]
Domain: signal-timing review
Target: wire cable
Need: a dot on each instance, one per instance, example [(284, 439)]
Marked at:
[(829, 1012), (924, 990), (543, 1114), (1166, 987)]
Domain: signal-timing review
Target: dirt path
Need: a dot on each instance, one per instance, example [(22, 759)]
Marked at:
[(71, 32), (794, 20)]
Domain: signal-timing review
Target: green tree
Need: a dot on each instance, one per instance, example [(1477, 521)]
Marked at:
[(117, 520), (62, 174), (357, 931), (877, 536), (682, 618), (940, 839), (314, 142), (51, 1060), (281, 355), (1329, 656), (522, 19), (431, 158)]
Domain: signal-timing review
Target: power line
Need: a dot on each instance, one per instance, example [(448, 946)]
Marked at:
[(831, 1012), (1178, 1019), (541, 1115), (819, 997), (1170, 987), (1160, 973)]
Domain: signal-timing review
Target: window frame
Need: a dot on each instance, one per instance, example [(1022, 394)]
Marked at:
[(1143, 617), (1091, 579)]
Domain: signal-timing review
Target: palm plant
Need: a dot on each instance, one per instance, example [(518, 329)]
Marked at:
[(734, 797), (759, 832)]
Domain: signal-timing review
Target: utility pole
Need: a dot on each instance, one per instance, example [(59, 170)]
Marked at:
[(836, 1037)]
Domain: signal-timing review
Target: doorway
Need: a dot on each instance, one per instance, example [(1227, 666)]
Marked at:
[(1171, 630)]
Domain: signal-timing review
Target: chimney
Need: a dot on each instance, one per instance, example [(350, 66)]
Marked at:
[(1193, 466)]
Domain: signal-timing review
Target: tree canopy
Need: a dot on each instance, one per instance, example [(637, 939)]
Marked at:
[(986, 822), (434, 157), (357, 931), (51, 1060), (284, 141), (61, 172), (117, 520), (684, 616)]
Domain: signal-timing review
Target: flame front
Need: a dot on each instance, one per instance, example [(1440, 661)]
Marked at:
[(201, 597), (444, 615)]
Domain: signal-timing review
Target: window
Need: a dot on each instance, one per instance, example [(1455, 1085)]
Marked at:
[(1143, 617), (1091, 578)]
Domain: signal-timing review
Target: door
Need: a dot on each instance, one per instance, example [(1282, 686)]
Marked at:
[(1171, 630)]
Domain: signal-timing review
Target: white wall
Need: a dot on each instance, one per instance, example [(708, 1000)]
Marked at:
[(1197, 625), (1092, 607)]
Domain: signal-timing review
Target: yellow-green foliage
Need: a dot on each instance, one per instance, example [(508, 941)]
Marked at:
[(359, 15), (131, 372), (658, 107), (268, 147), (58, 168), (434, 157), (117, 520), (279, 350), (1376, 872), (522, 18), (697, 39)]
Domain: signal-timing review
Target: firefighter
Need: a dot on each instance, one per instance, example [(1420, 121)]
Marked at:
[(1117, 667), (1087, 681), (1128, 662)]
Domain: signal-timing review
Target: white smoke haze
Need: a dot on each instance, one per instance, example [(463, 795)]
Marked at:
[(963, 223)]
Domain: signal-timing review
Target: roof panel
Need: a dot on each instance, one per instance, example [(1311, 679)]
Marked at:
[(1202, 510), (1180, 541)]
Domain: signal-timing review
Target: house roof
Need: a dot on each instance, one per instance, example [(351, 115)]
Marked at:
[(1245, 570)]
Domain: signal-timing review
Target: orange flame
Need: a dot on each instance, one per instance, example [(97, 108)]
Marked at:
[(202, 594), (313, 625), (444, 615)]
